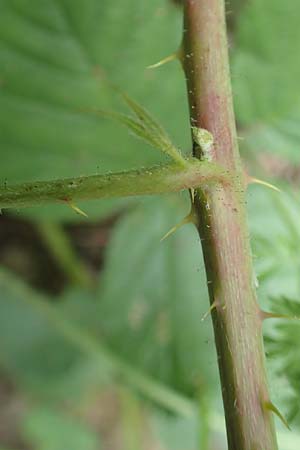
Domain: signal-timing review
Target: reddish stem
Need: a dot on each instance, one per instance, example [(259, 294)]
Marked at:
[(224, 233)]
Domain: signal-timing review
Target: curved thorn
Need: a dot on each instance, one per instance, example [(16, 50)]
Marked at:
[(271, 407), (212, 307), (190, 218), (77, 210), (164, 61), (263, 183)]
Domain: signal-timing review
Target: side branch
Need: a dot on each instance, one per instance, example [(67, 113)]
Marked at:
[(154, 180)]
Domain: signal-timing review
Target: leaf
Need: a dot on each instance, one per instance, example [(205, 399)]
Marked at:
[(52, 57), (5, 448), (265, 76), (145, 128), (156, 133), (283, 347), (273, 219), (49, 429), (145, 317), (143, 115), (146, 314), (153, 295), (32, 350), (176, 433), (275, 241), (53, 340)]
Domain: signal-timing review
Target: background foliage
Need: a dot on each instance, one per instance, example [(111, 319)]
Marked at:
[(119, 358)]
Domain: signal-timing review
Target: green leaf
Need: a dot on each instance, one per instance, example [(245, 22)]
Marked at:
[(52, 56), (275, 245), (145, 128), (148, 293), (32, 349), (49, 429), (176, 433), (153, 296), (265, 76), (273, 219), (156, 132), (283, 349), (52, 340), (5, 448)]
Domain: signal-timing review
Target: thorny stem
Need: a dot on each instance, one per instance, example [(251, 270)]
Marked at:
[(154, 180), (224, 233)]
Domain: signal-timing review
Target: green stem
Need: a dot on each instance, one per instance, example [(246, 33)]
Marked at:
[(131, 420), (204, 420), (224, 233), (60, 247), (154, 180)]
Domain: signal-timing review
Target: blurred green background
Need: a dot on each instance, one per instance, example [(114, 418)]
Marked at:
[(102, 345)]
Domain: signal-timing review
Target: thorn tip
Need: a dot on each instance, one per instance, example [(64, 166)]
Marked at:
[(164, 61), (263, 183), (77, 210), (271, 407), (190, 218), (212, 307)]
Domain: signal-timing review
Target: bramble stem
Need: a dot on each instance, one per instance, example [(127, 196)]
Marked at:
[(224, 232), (154, 180)]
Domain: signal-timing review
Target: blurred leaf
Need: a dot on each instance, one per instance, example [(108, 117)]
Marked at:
[(131, 420), (148, 312), (283, 346), (153, 295), (286, 306), (266, 81), (5, 448), (51, 331), (54, 59), (176, 433), (31, 349), (274, 223), (48, 429)]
